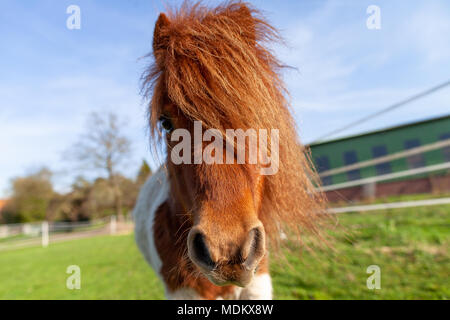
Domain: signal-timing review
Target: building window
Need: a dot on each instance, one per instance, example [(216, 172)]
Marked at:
[(323, 164), (350, 157), (445, 150), (417, 160), (381, 168)]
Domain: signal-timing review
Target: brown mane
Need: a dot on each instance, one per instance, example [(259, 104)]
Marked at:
[(215, 66)]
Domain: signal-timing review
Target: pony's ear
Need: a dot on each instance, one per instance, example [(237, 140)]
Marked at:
[(160, 36)]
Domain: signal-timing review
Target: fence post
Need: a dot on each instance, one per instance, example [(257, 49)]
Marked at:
[(369, 190), (113, 224), (4, 231), (45, 238)]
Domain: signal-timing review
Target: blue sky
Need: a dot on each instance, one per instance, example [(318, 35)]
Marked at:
[(51, 78)]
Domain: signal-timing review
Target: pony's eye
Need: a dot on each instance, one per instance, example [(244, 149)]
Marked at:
[(166, 124)]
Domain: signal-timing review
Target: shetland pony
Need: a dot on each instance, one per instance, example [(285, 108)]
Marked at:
[(206, 228)]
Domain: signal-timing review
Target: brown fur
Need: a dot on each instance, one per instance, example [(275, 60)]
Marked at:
[(177, 270), (213, 65)]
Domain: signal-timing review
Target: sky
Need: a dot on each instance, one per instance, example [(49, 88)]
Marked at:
[(52, 78)]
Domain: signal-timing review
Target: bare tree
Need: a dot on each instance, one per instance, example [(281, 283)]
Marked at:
[(103, 147)]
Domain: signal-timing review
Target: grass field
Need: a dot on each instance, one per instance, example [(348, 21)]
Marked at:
[(411, 246)]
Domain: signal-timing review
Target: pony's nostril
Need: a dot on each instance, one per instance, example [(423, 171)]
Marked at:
[(255, 248), (200, 251)]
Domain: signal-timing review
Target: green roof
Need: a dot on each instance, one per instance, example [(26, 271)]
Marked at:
[(392, 128)]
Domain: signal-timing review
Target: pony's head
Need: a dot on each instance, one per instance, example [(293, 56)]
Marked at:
[(212, 67)]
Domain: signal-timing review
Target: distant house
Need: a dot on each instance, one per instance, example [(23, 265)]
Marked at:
[(337, 153)]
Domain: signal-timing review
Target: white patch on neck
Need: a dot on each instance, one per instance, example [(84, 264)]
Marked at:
[(259, 289), (154, 192)]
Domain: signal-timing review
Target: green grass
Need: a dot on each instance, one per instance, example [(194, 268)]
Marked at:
[(111, 268), (15, 238), (409, 245)]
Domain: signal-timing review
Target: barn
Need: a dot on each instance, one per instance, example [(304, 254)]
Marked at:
[(405, 159)]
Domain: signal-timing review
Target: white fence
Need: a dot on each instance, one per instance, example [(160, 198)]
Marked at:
[(390, 176), (43, 233), (391, 205), (370, 182), (394, 156)]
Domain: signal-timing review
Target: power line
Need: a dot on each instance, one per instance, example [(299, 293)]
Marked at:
[(382, 111)]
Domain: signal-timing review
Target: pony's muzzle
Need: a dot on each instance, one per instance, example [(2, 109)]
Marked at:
[(223, 265)]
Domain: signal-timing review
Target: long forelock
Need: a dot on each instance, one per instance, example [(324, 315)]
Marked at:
[(216, 68)]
